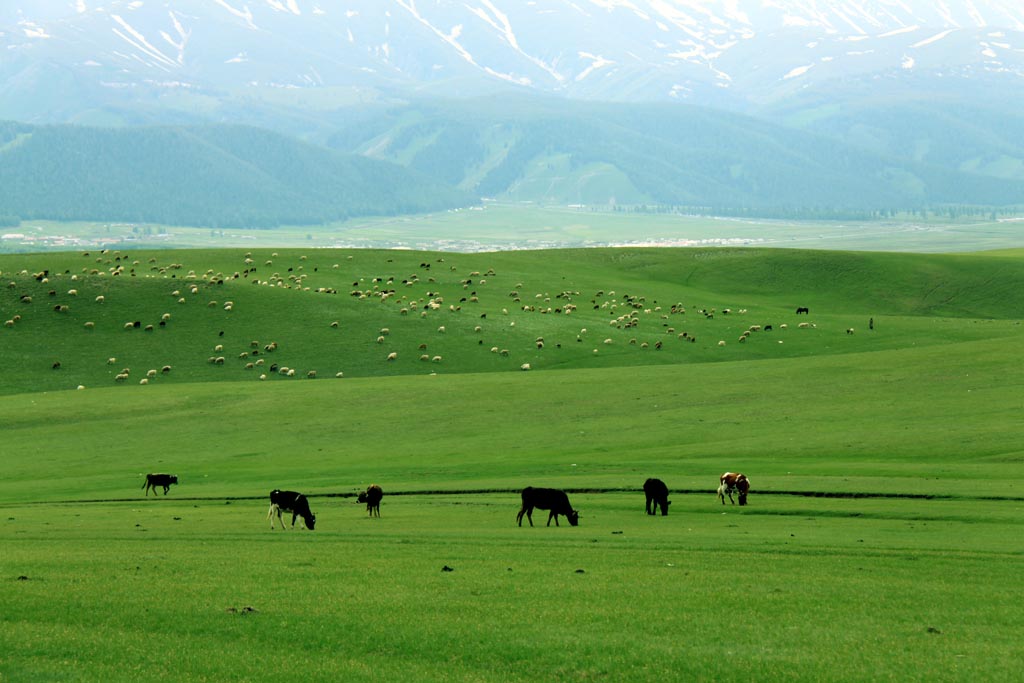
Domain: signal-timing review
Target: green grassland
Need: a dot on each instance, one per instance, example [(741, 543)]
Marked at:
[(884, 525)]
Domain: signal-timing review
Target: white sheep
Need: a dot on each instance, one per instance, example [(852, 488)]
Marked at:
[(524, 366), (392, 356)]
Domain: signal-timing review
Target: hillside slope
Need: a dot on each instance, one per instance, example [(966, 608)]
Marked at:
[(229, 315), (594, 153), (214, 176)]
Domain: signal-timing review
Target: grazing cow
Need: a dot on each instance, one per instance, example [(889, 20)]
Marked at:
[(803, 309), (371, 496), (155, 480), (657, 496), (293, 502), (547, 499), (733, 482)]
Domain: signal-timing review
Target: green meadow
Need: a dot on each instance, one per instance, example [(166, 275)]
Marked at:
[(881, 433)]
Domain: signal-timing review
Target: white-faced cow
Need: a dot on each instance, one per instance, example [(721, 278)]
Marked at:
[(657, 496), (547, 499), (371, 497), (731, 482), (293, 502), (155, 480)]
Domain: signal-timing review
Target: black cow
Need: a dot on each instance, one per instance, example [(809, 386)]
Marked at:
[(293, 502), (155, 480), (371, 496), (547, 499), (803, 309), (657, 496)]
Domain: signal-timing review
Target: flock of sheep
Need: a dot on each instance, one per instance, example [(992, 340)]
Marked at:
[(466, 305)]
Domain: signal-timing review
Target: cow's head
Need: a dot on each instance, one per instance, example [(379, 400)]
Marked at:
[(173, 479), (664, 506), (310, 521), (573, 517), (361, 498)]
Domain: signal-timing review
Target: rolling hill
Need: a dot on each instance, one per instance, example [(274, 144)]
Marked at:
[(347, 311)]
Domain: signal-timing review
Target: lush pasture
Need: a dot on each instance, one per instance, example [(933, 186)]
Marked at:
[(787, 589), (916, 424)]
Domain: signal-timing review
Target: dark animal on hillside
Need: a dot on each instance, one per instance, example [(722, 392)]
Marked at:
[(547, 499), (293, 502), (155, 480), (803, 309), (371, 497), (657, 496), (732, 482)]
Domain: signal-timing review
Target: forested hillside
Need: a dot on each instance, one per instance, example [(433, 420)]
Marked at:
[(677, 155), (215, 176)]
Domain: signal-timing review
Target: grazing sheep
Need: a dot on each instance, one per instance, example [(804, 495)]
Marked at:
[(143, 381), (436, 359), (100, 299), (524, 366), (165, 369), (849, 330), (392, 356), (311, 374), (8, 323), (151, 373), (111, 361)]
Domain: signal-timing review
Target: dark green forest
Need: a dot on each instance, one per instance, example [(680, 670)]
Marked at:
[(216, 176)]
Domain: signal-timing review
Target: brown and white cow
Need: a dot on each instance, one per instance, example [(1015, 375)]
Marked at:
[(731, 482)]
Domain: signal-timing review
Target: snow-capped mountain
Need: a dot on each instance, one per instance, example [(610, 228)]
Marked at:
[(739, 53)]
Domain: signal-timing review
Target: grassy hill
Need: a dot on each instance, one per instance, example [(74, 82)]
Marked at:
[(213, 176), (325, 309)]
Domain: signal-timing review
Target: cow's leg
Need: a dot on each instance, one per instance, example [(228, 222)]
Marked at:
[(553, 515), (270, 515), (529, 515)]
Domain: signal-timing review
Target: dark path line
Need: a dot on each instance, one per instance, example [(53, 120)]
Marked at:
[(474, 492)]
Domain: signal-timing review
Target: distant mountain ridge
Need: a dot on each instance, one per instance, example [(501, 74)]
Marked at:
[(740, 54), (839, 105)]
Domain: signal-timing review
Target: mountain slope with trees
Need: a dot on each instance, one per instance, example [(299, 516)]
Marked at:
[(215, 176)]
